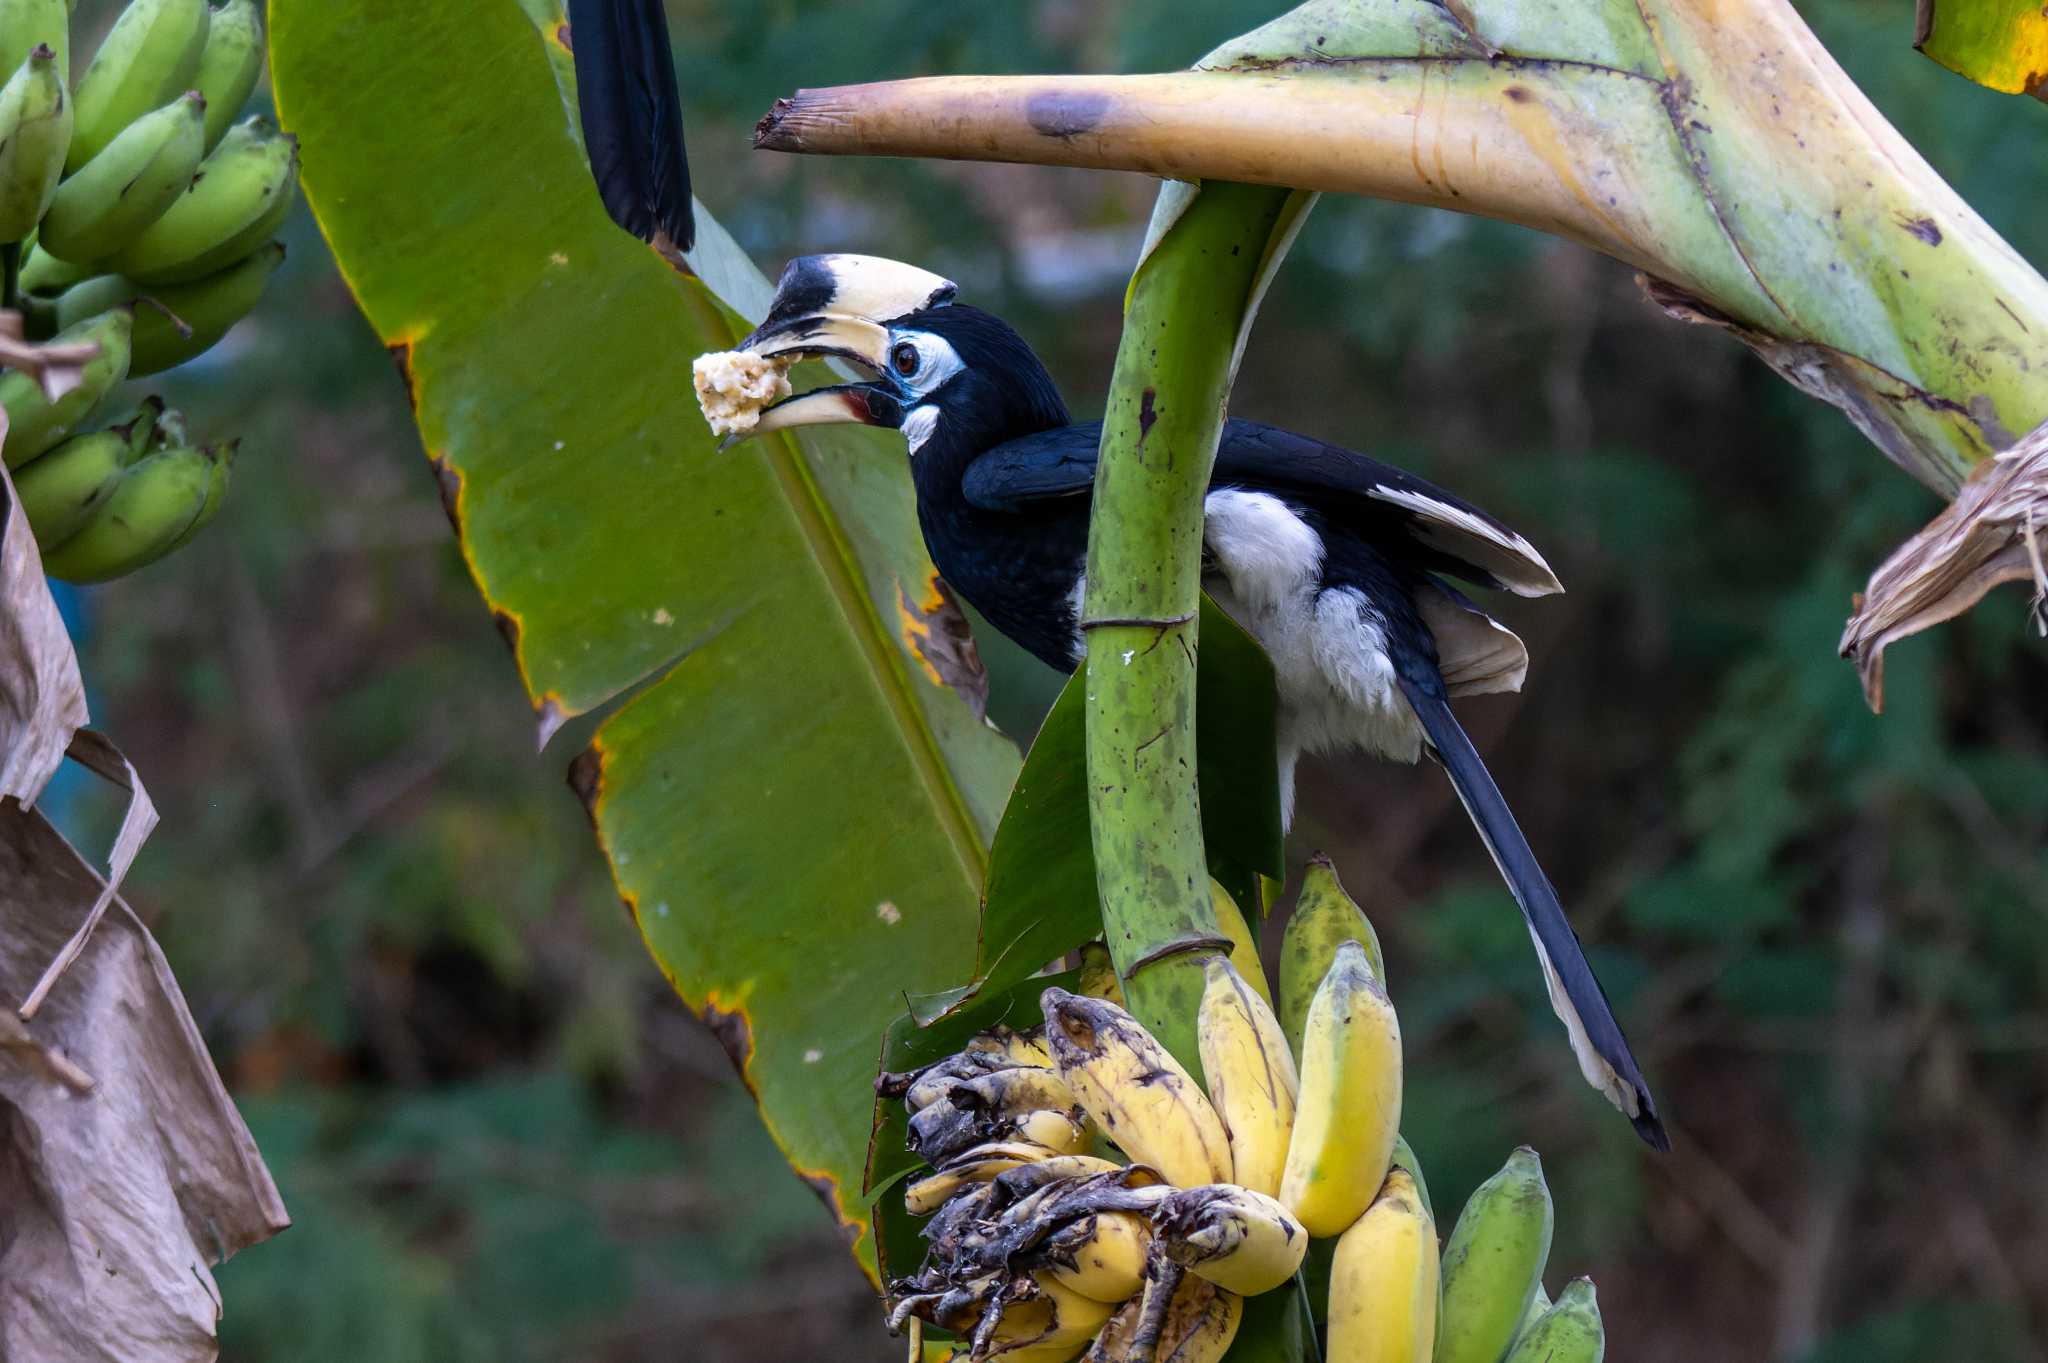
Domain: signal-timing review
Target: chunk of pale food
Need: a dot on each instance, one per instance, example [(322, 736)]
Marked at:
[(735, 386)]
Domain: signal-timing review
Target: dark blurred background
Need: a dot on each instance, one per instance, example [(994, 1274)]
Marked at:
[(503, 1139)]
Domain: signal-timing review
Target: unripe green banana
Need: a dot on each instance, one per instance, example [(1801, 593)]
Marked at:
[(34, 422), (216, 489), (60, 490), (1493, 1262), (1324, 918), (230, 65), (148, 58), (1569, 1332), (28, 24), (209, 308), (35, 132), (239, 198), (131, 184), (42, 273), (142, 519)]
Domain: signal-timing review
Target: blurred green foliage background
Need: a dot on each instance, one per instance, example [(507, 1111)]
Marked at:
[(503, 1139)]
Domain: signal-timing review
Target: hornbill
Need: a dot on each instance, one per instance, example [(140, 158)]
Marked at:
[(1334, 561)]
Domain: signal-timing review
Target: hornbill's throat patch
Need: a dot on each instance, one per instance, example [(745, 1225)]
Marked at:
[(839, 306)]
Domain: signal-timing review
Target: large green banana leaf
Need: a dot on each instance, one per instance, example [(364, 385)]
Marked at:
[(796, 810)]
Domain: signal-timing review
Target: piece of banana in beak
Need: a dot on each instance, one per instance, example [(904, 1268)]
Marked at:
[(735, 386)]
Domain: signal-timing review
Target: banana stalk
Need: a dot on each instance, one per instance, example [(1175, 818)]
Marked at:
[(1189, 304), (1712, 144)]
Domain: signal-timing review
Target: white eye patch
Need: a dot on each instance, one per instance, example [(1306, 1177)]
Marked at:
[(935, 361)]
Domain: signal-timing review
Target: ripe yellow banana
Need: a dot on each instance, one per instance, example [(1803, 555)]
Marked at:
[(980, 1164), (1324, 918), (28, 24), (147, 59), (1493, 1262), (1135, 1090), (107, 203), (1383, 1282), (1057, 1321), (229, 65), (1244, 943), (1251, 1076), (208, 310), (1098, 974), (239, 198), (1569, 1332), (141, 520), (1349, 1112), (1198, 1323), (1101, 1256), (1019, 1048), (35, 132), (1236, 1238), (34, 422)]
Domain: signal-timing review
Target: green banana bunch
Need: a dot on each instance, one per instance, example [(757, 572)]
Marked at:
[(1569, 1332), (1349, 1113), (148, 59), (230, 64), (35, 131), (60, 490), (242, 195), (26, 25), (1324, 918), (204, 311), (109, 201), (157, 504), (44, 275), (34, 422), (1493, 1262)]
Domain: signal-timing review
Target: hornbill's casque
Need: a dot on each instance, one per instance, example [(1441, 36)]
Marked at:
[(1333, 561)]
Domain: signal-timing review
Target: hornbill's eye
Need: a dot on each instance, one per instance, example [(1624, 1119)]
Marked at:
[(905, 358)]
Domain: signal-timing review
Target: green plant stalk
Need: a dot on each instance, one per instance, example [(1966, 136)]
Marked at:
[(1188, 303)]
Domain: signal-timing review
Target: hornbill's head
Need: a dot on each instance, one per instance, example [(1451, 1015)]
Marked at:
[(945, 372)]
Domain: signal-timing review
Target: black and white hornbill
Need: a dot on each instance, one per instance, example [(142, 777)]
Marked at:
[(1334, 561)]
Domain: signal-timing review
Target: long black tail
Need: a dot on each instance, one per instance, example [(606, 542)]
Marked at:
[(633, 119), (1602, 1051)]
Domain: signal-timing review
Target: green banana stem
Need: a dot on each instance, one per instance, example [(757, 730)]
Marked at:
[(1713, 144), (1189, 301)]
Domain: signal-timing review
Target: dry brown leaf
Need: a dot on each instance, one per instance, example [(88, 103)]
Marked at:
[(117, 1198), (1995, 531), (42, 699)]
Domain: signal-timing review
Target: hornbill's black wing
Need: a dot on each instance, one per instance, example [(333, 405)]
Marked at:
[(633, 118), (1378, 502)]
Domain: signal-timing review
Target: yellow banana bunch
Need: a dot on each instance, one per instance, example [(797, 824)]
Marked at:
[(1383, 1282), (1098, 974), (1135, 1090), (1244, 943), (1349, 1113), (1251, 1076), (1493, 1262), (1039, 1247)]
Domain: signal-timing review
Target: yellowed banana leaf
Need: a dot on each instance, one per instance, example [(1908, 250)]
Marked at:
[(2000, 44), (795, 804)]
